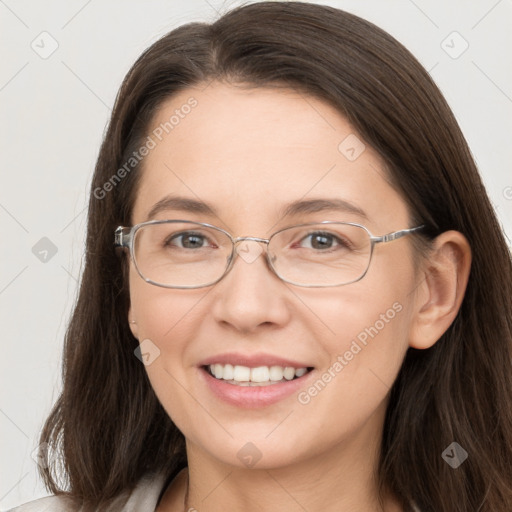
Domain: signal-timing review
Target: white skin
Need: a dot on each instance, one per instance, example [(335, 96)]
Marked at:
[(248, 152)]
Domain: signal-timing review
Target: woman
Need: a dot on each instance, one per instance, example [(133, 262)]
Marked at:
[(308, 306)]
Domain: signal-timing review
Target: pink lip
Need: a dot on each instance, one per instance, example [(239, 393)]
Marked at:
[(252, 361), (253, 397)]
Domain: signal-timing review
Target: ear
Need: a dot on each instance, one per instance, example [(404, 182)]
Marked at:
[(133, 323), (440, 293)]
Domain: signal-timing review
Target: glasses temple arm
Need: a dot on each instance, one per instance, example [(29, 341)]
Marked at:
[(397, 234)]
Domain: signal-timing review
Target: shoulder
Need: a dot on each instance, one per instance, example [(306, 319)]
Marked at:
[(144, 497), (48, 504)]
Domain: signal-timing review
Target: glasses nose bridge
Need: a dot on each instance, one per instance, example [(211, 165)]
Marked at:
[(246, 254), (252, 238)]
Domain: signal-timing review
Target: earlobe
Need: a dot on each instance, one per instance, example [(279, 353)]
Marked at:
[(441, 291)]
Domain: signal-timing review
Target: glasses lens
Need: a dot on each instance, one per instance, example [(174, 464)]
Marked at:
[(328, 254), (181, 254)]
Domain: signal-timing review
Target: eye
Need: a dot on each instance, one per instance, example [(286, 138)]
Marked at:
[(187, 240), (322, 240)]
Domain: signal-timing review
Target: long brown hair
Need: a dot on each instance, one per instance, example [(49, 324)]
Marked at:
[(108, 425)]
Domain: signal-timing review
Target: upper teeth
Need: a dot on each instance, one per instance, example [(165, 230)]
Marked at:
[(259, 374)]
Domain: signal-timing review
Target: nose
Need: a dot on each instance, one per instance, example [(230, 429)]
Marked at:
[(250, 295)]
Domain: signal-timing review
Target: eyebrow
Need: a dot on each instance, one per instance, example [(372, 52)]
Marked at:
[(299, 207)]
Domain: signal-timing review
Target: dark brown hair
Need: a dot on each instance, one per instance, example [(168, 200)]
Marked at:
[(108, 425)]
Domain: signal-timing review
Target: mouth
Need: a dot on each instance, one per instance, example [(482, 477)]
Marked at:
[(253, 381), (258, 376)]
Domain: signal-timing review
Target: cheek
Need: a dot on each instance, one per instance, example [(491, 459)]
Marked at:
[(161, 313), (166, 321), (365, 351), (363, 327), (374, 346), (362, 312)]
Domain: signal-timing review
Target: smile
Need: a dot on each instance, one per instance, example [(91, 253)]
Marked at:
[(254, 386), (239, 375)]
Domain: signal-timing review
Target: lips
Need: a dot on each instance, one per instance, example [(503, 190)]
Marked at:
[(253, 381)]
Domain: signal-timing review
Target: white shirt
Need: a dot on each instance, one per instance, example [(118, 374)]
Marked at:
[(144, 498)]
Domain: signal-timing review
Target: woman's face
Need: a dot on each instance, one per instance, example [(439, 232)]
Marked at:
[(248, 154)]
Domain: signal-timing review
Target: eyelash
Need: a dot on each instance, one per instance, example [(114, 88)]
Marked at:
[(339, 241)]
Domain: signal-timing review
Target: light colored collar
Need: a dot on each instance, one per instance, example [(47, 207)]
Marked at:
[(143, 498)]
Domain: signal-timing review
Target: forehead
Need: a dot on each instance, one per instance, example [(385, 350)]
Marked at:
[(250, 151)]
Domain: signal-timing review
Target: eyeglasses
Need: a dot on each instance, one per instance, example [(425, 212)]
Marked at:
[(186, 254)]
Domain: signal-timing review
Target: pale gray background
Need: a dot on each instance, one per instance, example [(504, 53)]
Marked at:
[(54, 112)]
